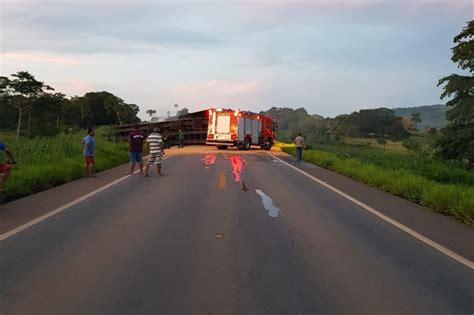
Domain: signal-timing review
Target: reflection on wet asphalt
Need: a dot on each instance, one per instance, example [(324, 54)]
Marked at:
[(237, 163), (209, 159)]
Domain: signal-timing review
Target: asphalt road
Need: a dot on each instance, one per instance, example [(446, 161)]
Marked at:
[(225, 233)]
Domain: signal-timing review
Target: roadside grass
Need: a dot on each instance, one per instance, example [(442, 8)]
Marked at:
[(392, 146), (443, 172), (43, 163), (442, 186)]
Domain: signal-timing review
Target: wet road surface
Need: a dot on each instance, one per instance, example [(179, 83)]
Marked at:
[(224, 233)]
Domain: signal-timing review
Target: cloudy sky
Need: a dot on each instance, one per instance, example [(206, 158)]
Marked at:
[(329, 56)]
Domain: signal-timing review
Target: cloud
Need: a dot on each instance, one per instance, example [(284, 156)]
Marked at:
[(73, 87), (83, 27), (38, 57), (217, 93)]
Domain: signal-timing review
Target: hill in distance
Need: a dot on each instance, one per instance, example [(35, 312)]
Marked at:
[(431, 115)]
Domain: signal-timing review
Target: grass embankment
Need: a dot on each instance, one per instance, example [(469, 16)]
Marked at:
[(443, 186), (393, 146), (43, 163)]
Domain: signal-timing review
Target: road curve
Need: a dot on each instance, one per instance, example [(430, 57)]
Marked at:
[(225, 233)]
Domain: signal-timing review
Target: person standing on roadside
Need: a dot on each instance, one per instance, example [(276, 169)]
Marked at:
[(5, 167), (180, 138), (155, 142), (89, 151), (299, 143), (165, 139), (135, 143)]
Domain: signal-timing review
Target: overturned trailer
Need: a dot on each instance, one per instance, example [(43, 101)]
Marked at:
[(241, 129), (193, 125)]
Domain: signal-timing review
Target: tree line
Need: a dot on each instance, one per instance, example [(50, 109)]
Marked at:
[(379, 123), (32, 108)]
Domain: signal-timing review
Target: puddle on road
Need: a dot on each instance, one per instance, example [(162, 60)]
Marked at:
[(209, 159), (268, 204), (237, 163)]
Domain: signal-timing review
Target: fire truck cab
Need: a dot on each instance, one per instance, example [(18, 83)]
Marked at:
[(229, 127)]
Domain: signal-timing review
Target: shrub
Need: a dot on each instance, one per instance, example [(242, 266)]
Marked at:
[(43, 163), (411, 145)]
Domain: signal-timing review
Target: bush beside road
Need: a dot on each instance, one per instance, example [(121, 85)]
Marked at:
[(43, 163)]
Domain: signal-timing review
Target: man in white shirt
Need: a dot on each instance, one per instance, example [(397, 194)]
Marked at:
[(155, 142), (299, 143)]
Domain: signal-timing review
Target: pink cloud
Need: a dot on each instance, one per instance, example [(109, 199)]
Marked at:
[(38, 57)]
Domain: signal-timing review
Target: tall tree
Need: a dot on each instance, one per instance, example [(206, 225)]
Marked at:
[(45, 114), (8, 115), (457, 140), (24, 88), (151, 112)]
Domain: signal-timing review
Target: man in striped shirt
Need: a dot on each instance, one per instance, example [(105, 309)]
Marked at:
[(155, 143)]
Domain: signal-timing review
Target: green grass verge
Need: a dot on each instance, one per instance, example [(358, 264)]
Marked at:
[(43, 163), (443, 172), (453, 196), (393, 146)]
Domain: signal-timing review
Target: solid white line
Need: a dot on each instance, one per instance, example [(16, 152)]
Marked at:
[(37, 220), (382, 216)]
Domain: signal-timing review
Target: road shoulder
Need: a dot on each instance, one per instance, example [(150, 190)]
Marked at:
[(20, 211), (440, 229)]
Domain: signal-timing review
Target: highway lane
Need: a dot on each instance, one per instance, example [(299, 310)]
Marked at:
[(201, 240)]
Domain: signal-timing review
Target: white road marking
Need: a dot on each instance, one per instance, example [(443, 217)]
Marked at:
[(45, 216), (382, 216), (268, 204)]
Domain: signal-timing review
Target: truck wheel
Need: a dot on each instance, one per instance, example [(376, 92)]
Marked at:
[(247, 144), (268, 145), (222, 147)]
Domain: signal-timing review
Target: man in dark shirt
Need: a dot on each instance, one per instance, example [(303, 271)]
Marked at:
[(135, 142), (165, 140), (5, 167)]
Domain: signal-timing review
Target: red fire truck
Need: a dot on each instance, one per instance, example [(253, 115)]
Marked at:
[(228, 127)]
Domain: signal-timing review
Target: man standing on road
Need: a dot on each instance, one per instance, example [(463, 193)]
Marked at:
[(5, 167), (155, 142), (135, 142), (180, 138), (299, 143), (89, 150)]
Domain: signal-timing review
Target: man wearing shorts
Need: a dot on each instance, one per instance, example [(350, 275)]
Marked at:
[(89, 151), (135, 142), (155, 142), (5, 167)]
